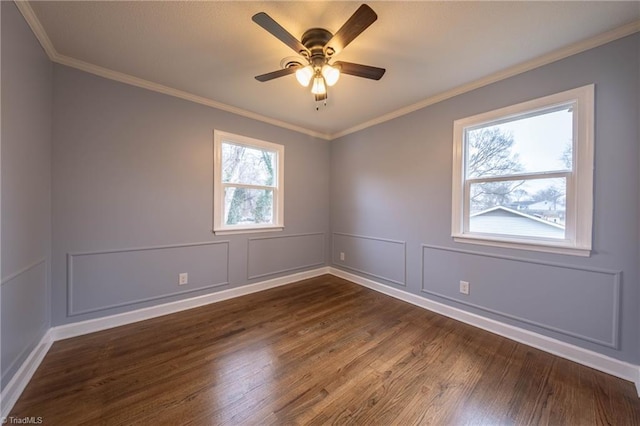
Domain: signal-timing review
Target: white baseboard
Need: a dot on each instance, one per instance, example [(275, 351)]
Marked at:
[(19, 381), (21, 378), (90, 326), (615, 367)]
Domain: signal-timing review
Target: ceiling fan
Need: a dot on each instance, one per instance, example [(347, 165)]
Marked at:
[(317, 48)]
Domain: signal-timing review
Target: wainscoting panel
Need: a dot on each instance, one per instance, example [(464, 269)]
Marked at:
[(576, 301), (377, 257), (104, 280), (284, 253), (24, 315)]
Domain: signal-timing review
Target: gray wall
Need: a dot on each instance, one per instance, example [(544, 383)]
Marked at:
[(638, 187), (132, 200), (26, 191), (391, 199)]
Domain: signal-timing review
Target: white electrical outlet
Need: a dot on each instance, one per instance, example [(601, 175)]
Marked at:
[(464, 287), (341, 255), (183, 278)]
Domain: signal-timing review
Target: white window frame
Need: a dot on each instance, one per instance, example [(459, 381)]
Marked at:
[(579, 197), (219, 227)]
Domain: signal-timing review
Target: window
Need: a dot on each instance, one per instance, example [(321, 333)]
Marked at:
[(248, 185), (523, 175)]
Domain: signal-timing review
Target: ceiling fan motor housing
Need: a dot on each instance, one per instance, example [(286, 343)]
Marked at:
[(314, 40), (317, 48)]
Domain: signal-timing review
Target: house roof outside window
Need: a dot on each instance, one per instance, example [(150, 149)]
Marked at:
[(500, 220)]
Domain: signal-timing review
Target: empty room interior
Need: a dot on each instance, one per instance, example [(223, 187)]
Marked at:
[(320, 212)]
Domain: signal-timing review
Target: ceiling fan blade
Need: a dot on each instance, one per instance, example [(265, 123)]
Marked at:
[(276, 74), (359, 21), (359, 70), (267, 22)]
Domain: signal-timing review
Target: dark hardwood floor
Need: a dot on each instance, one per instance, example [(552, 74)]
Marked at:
[(320, 351)]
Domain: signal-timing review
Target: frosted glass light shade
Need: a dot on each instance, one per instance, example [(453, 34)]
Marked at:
[(330, 74), (304, 75), (318, 88)]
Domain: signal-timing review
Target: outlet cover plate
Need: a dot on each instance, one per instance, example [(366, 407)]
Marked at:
[(183, 278)]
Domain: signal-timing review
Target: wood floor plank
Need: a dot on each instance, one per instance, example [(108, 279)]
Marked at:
[(321, 351)]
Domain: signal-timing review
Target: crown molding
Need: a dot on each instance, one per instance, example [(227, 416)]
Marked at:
[(556, 55), (545, 59), (36, 27), (38, 30), (149, 85)]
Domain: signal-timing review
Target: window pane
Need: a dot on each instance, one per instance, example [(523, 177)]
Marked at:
[(244, 206), (250, 166), (539, 142), (530, 208)]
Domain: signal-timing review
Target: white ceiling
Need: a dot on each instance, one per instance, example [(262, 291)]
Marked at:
[(213, 50)]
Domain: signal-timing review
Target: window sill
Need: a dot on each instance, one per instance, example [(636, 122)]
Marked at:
[(248, 230), (546, 247)]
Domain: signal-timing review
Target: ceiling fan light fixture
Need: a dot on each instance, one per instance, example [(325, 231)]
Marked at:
[(319, 87), (317, 47), (330, 74), (304, 75)]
